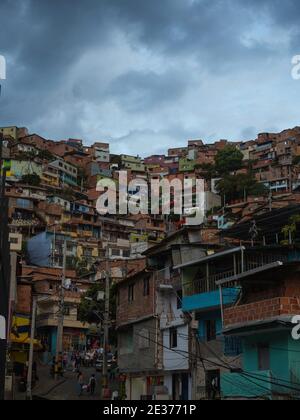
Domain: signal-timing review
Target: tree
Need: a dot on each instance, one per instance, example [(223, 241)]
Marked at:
[(89, 308), (237, 186), (45, 155), (208, 170), (31, 179), (228, 160), (291, 228)]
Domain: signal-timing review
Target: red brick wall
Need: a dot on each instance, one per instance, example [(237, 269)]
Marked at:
[(131, 266), (141, 307), (209, 235), (262, 310), (23, 299)]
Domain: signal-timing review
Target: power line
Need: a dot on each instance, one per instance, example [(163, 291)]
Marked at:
[(227, 367)]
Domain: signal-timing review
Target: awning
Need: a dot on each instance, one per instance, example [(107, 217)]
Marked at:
[(20, 332)]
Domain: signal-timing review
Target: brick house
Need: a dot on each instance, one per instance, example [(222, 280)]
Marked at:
[(138, 333), (262, 320)]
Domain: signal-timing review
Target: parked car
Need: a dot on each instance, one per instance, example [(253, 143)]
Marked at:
[(99, 364)]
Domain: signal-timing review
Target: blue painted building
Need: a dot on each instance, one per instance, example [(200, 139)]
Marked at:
[(263, 322), (203, 300)]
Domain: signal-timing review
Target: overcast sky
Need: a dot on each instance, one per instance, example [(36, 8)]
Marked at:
[(150, 74)]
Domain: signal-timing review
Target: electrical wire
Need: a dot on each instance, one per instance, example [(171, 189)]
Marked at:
[(243, 373)]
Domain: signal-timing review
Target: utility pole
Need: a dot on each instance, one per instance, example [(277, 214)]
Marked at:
[(30, 361), (60, 325), (106, 327), (4, 273)]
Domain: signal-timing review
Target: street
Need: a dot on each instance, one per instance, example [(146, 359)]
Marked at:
[(63, 388)]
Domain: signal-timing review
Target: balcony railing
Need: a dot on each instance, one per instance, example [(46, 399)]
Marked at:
[(167, 277), (207, 284)]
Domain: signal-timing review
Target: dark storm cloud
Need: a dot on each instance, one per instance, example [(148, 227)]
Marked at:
[(127, 69), (139, 92)]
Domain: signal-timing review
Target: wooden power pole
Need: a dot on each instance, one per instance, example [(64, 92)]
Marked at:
[(4, 273), (60, 325)]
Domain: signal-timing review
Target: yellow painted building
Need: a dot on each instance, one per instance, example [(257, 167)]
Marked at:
[(50, 179), (20, 339), (14, 132)]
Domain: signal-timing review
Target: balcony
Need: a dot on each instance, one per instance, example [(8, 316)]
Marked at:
[(261, 311), (208, 283), (52, 321), (85, 234), (210, 300), (24, 222), (167, 277)]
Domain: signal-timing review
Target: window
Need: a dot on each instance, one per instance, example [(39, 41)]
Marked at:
[(67, 310), (131, 293), (263, 352), (211, 330), (126, 254), (146, 287), (179, 299), (115, 252), (173, 338)]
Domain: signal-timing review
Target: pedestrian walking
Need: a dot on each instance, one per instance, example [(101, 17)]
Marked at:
[(53, 367), (65, 361), (92, 385), (80, 383)]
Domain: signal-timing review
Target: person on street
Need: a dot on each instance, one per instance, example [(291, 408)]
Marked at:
[(65, 361), (53, 367), (92, 385), (80, 383)]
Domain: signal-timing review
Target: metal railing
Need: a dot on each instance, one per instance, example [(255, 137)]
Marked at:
[(167, 276), (208, 283)]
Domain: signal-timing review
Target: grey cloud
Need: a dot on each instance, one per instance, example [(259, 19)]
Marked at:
[(139, 92), (69, 73)]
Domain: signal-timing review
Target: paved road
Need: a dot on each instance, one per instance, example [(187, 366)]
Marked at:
[(68, 390), (64, 388)]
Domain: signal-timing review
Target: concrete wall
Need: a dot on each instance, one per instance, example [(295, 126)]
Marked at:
[(135, 354)]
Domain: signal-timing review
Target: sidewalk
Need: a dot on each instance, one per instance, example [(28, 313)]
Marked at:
[(43, 386)]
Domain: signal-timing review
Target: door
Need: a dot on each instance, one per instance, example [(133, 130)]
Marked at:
[(185, 387)]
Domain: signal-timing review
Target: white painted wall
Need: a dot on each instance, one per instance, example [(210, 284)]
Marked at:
[(174, 361), (171, 317)]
